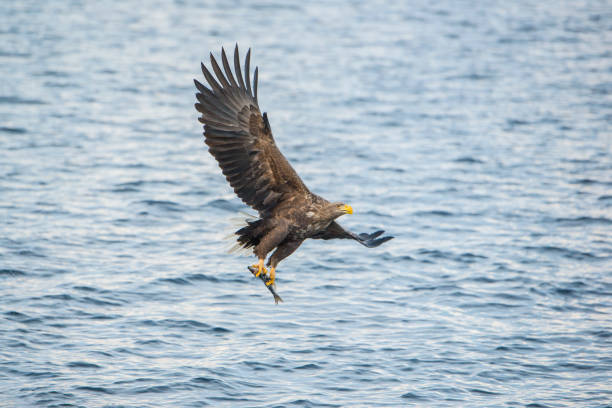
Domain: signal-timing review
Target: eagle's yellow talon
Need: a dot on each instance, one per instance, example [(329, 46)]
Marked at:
[(272, 276), (260, 268), (260, 271)]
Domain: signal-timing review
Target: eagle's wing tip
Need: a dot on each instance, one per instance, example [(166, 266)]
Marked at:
[(373, 242)]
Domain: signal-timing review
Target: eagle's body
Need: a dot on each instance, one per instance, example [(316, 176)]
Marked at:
[(241, 140)]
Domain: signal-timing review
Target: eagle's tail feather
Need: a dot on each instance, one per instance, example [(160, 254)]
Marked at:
[(250, 235)]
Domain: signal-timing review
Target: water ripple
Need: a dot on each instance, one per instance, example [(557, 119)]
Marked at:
[(477, 136)]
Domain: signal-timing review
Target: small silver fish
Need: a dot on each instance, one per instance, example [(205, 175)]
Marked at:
[(265, 279)]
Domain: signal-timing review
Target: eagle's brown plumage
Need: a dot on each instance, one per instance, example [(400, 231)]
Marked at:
[(241, 140)]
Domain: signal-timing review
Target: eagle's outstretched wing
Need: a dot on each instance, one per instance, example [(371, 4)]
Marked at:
[(240, 138), (336, 231)]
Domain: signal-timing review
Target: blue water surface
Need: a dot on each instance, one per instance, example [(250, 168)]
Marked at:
[(477, 133)]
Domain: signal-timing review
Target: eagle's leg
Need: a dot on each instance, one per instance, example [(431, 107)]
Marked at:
[(260, 267), (282, 251), (268, 242)]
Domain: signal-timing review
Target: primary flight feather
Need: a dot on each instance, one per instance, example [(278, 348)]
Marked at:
[(241, 140)]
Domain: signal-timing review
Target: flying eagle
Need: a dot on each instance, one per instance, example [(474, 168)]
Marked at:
[(240, 138)]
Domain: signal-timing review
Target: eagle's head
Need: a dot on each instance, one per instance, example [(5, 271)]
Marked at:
[(337, 209)]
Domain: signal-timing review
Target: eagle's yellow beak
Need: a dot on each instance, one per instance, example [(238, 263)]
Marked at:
[(347, 209)]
